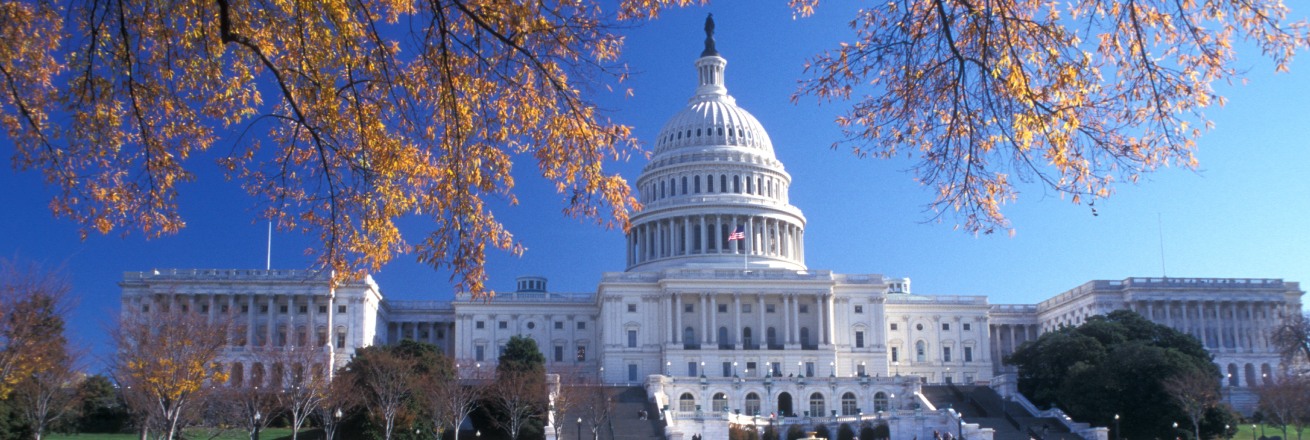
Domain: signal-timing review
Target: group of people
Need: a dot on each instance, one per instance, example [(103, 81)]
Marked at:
[(941, 436)]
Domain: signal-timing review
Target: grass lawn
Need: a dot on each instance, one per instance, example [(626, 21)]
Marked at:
[(267, 434), (1244, 432)]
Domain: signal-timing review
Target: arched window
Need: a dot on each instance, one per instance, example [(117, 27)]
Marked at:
[(689, 335), (719, 403), (709, 184), (880, 402), (684, 185), (238, 374), (687, 403), (723, 183), (696, 184), (736, 184), (1232, 375), (724, 340), (752, 404), (746, 339), (257, 374), (771, 336), (816, 405), (848, 404), (919, 349), (805, 336)]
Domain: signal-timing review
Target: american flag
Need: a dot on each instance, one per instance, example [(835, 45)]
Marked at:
[(739, 234)]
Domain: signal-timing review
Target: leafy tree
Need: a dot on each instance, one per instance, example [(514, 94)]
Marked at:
[(1071, 95), (845, 432), (521, 355), (383, 378), (305, 382), (822, 431), (1115, 364), (339, 401), (421, 108), (49, 396), (446, 400), (163, 374), (1283, 401), (31, 320), (102, 410), (1196, 393)]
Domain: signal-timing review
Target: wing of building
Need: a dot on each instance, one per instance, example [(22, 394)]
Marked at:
[(717, 312)]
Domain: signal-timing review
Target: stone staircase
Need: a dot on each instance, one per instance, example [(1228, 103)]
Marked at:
[(982, 405), (625, 422)]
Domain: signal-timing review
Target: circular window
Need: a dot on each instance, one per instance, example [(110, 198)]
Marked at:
[(916, 326), (532, 325)]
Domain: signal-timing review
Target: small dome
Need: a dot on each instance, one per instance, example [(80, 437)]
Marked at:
[(713, 121)]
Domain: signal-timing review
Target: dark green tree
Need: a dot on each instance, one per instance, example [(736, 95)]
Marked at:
[(1115, 364), (521, 355), (794, 432), (821, 431), (102, 409), (844, 432)]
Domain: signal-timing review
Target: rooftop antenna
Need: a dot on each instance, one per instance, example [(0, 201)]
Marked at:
[(268, 253), (1159, 223)]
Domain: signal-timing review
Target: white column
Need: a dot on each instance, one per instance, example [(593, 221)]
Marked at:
[(677, 318), (736, 320), (704, 319), (762, 333), (713, 311)]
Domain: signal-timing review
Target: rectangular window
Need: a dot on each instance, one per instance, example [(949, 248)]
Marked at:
[(502, 325), (859, 339), (946, 326), (145, 308), (341, 339), (322, 309), (723, 308), (689, 308), (859, 370), (282, 309), (776, 368), (632, 339), (222, 308), (184, 308), (582, 325), (632, 308), (245, 308), (946, 354), (582, 353), (304, 310), (968, 354), (559, 325), (341, 309), (559, 353), (480, 353), (809, 369), (769, 308), (750, 367), (727, 369), (745, 308), (691, 369), (204, 308), (893, 326), (263, 309), (967, 327), (896, 355), (479, 325), (805, 308), (859, 309), (632, 368)]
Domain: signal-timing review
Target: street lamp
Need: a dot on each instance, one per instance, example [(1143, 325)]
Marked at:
[(1117, 435), (579, 428), (257, 416), (897, 364)]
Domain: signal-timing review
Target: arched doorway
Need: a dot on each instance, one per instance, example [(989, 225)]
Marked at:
[(784, 404)]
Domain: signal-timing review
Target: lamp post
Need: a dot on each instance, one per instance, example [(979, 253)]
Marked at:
[(579, 428), (1252, 431), (1117, 433), (255, 435), (897, 365)]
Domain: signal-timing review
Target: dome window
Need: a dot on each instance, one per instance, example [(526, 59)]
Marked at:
[(720, 131), (679, 135), (697, 132)]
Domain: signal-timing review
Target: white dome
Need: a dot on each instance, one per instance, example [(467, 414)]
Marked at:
[(713, 121)]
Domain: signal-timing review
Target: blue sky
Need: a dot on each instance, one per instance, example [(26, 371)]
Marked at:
[(1241, 214)]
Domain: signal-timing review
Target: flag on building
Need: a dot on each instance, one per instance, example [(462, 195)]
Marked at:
[(739, 234)]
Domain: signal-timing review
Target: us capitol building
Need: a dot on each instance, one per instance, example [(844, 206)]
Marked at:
[(717, 314)]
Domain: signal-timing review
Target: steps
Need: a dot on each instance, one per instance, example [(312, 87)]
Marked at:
[(982, 405)]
